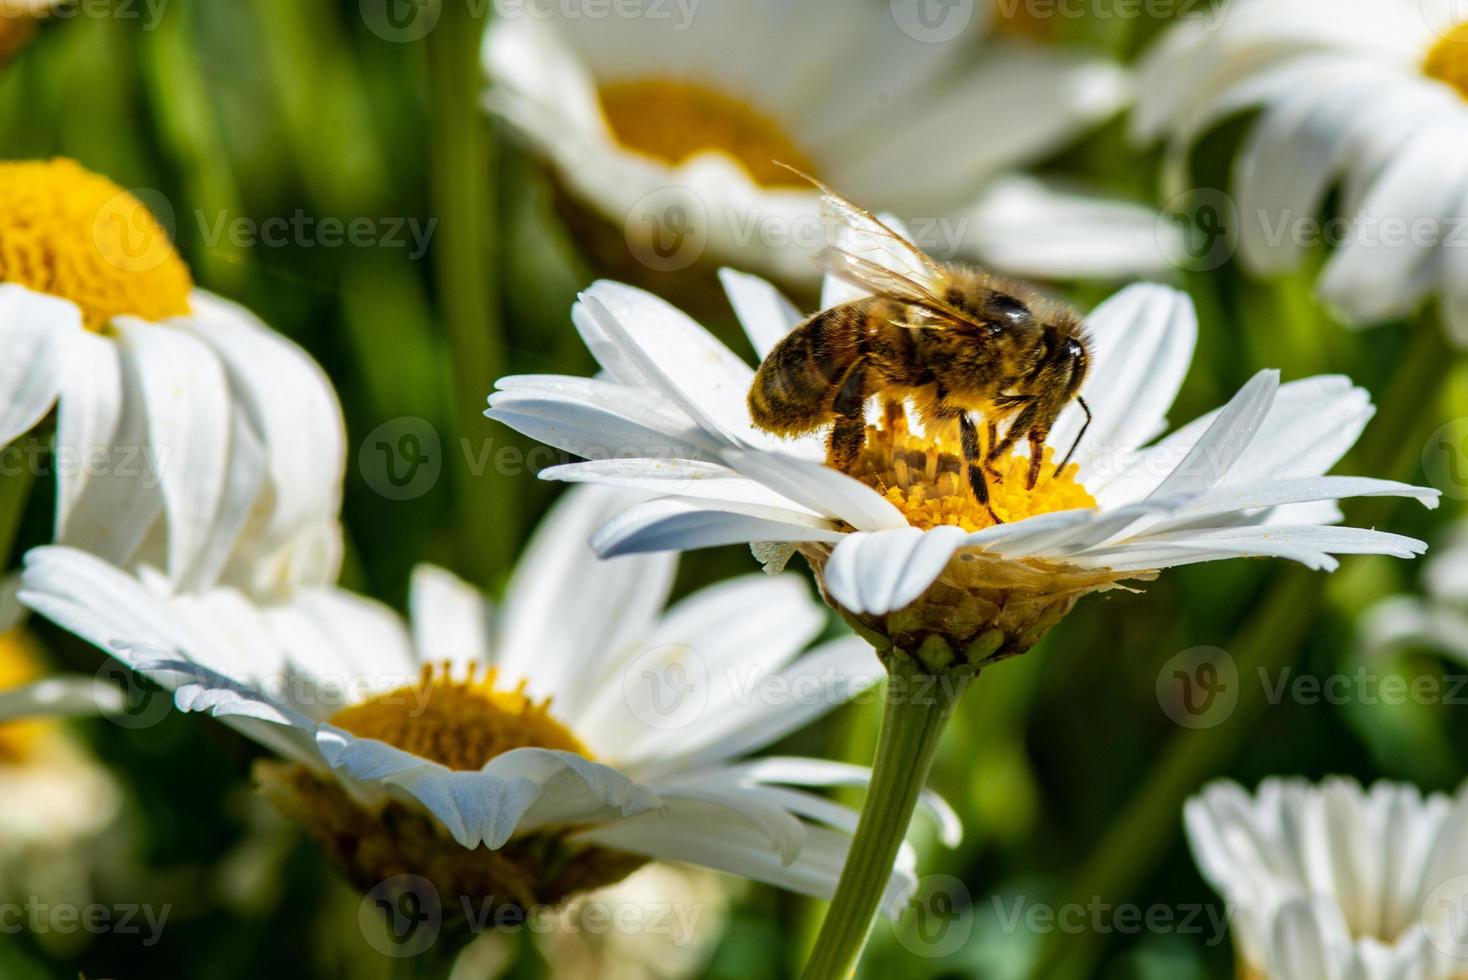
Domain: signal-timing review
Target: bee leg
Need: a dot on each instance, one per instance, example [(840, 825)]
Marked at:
[(973, 456), (1037, 456), (849, 430), (989, 466), (1023, 425)]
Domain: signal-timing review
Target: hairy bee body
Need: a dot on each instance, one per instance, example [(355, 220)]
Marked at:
[(1007, 359), (949, 339)]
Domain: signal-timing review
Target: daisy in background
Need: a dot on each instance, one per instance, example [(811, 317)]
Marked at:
[(1336, 882), (526, 753), (18, 20), (188, 435), (940, 583), (59, 808), (648, 124), (1438, 619), (1361, 96)]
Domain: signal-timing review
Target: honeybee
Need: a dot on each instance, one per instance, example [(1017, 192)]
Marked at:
[(952, 339)]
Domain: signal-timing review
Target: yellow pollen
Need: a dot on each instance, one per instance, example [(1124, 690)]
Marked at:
[(1448, 59), (72, 233), (927, 480), (673, 120), (461, 724), (19, 665)]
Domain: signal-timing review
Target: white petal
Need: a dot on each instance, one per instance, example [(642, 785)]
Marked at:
[(290, 403), (676, 524), (65, 696), (1034, 228), (763, 311), (1142, 341), (676, 356), (704, 834), (184, 388), (108, 495), (1225, 440), (878, 572), (694, 479), (450, 618), (563, 606), (820, 488), (34, 329)]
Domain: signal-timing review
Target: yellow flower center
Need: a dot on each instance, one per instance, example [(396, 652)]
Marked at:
[(673, 120), (461, 724), (927, 479), (72, 233), (1448, 59), (19, 665)]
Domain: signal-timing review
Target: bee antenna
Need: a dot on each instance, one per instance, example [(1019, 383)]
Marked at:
[(1079, 436)]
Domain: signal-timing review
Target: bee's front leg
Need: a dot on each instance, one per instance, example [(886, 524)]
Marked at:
[(973, 457), (989, 467), (849, 429)]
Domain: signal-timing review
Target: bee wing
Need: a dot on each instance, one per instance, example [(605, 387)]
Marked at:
[(869, 254)]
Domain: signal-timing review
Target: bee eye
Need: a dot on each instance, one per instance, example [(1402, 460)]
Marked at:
[(1004, 307), (1075, 350)]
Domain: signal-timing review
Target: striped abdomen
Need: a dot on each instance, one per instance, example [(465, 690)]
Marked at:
[(796, 385)]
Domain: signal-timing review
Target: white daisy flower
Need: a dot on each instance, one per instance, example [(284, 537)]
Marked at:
[(1437, 619), (188, 434), (527, 752), (56, 801), (1335, 882), (650, 125), (1364, 96), (669, 417)]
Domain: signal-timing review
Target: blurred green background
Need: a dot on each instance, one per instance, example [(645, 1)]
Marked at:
[(1068, 772)]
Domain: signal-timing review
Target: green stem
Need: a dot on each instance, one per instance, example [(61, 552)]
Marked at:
[(462, 178), (917, 709)]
